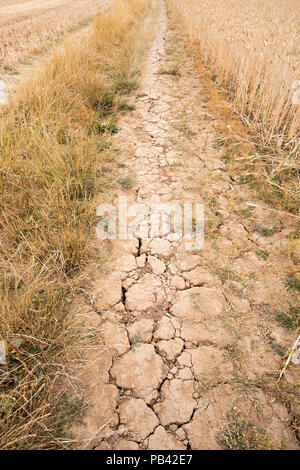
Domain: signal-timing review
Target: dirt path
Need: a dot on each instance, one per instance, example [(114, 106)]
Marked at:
[(189, 351)]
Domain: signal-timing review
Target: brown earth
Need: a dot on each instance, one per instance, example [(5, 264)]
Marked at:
[(189, 350)]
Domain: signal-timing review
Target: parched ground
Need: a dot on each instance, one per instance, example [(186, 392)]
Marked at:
[(187, 349)]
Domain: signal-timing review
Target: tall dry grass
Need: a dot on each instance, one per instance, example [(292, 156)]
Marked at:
[(253, 48), (54, 159)]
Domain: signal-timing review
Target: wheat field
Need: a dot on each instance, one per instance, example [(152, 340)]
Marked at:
[(27, 27)]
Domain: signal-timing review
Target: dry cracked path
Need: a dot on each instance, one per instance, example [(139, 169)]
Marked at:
[(186, 339)]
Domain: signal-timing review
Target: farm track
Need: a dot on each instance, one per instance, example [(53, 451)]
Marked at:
[(189, 350)]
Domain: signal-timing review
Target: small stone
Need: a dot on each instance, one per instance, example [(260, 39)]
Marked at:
[(196, 395), (174, 370), (170, 376), (177, 334), (185, 442), (177, 282), (138, 417), (141, 261), (141, 330)]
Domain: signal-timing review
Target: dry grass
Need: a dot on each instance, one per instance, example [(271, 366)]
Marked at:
[(53, 162), (28, 28), (252, 50)]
